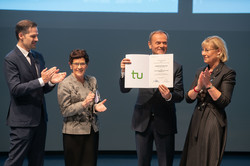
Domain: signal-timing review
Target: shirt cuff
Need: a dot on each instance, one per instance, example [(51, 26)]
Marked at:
[(169, 98), (41, 81), (122, 74), (51, 84)]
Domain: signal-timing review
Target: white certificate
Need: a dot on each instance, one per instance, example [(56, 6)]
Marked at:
[(149, 71)]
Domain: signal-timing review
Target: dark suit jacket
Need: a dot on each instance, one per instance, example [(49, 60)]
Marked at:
[(27, 103), (149, 100)]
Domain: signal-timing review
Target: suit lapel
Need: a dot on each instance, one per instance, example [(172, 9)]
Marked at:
[(216, 71), (25, 61)]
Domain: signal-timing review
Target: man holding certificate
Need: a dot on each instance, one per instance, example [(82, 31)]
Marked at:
[(154, 117)]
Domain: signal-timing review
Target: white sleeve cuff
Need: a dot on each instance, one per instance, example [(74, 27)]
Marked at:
[(122, 74), (41, 81), (51, 84)]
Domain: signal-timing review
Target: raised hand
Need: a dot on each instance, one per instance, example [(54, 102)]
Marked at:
[(200, 82), (58, 77), (47, 74), (124, 62), (88, 99), (206, 78), (100, 107)]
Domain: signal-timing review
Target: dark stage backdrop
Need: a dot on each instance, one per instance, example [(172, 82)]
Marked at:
[(107, 37)]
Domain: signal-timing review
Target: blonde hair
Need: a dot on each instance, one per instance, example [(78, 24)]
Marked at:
[(217, 43)]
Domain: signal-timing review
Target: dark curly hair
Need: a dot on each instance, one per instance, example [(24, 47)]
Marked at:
[(78, 53)]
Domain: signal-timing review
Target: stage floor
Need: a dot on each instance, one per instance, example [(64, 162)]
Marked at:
[(241, 159)]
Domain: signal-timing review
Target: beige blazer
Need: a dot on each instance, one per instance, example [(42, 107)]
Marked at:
[(71, 93)]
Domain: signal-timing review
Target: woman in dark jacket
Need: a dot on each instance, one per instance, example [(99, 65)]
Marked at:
[(212, 88)]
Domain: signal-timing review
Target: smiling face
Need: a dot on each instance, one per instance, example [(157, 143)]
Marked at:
[(78, 68), (211, 55), (158, 43), (28, 40)]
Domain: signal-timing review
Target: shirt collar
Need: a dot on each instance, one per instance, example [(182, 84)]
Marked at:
[(25, 53)]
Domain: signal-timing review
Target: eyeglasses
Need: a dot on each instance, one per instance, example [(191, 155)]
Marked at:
[(207, 50), (77, 64)]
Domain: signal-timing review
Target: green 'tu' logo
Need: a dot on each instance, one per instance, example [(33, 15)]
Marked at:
[(137, 75)]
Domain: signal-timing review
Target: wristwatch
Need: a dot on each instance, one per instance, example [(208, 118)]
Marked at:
[(210, 87)]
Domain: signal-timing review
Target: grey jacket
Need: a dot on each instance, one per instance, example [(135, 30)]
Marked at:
[(71, 93)]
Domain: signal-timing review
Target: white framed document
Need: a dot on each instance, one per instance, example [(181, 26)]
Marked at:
[(149, 71)]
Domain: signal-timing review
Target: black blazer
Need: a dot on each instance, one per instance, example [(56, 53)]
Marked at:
[(209, 113), (149, 100), (27, 103)]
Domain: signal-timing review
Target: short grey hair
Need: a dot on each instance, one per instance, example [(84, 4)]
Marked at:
[(155, 32)]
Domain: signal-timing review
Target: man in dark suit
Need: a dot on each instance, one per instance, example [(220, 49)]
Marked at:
[(28, 80), (154, 117)]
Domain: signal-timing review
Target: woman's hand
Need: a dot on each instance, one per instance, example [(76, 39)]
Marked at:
[(88, 99), (200, 82), (100, 107), (206, 78)]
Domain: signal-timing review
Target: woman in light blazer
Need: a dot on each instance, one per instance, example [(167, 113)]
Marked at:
[(79, 103)]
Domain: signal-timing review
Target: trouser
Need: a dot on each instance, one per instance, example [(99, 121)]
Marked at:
[(27, 142), (164, 146), (81, 150)]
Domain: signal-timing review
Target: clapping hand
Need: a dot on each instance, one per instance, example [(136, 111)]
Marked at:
[(58, 77), (100, 107), (47, 74), (207, 78), (88, 99), (204, 79)]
